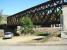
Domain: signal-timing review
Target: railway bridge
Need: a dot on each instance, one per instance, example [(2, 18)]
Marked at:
[(45, 14)]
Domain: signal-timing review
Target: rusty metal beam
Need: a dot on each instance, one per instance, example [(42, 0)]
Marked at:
[(39, 13)]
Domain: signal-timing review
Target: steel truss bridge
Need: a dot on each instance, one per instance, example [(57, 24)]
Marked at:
[(46, 13)]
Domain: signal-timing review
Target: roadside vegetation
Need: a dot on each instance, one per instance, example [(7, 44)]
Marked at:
[(0, 19), (27, 25), (27, 28)]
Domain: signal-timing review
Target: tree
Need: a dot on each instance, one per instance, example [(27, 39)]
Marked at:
[(0, 16), (0, 19), (27, 24)]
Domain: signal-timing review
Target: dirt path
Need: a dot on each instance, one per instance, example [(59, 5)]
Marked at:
[(16, 40)]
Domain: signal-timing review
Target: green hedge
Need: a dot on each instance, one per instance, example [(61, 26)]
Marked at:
[(41, 33)]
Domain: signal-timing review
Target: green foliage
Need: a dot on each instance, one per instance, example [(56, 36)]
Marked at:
[(26, 21), (0, 19), (41, 33), (27, 24)]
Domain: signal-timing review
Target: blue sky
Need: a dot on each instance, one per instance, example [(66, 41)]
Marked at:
[(10, 7)]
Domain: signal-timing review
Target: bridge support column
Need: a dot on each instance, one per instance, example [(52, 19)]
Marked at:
[(19, 30), (64, 22), (51, 25)]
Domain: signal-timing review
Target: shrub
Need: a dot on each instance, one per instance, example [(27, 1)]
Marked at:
[(27, 24), (41, 33)]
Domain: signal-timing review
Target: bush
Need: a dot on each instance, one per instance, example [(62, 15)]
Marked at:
[(41, 33), (27, 24)]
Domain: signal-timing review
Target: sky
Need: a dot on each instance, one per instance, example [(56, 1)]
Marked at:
[(11, 7)]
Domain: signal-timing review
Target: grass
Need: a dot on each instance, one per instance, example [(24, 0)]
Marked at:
[(46, 37)]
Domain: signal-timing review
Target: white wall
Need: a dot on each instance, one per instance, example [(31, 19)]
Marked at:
[(65, 18)]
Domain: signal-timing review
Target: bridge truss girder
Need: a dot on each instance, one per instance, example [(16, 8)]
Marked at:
[(46, 13)]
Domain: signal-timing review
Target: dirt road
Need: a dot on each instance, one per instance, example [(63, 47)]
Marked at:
[(16, 40)]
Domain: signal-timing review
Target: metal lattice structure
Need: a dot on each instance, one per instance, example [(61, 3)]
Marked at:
[(42, 14)]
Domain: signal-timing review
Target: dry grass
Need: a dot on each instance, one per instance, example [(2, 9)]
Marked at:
[(53, 31)]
